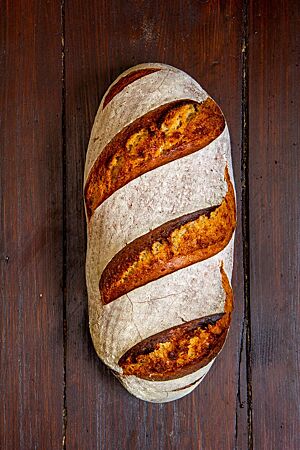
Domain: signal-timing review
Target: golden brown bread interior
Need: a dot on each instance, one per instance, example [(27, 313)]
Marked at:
[(180, 350), (125, 81), (172, 246), (160, 136)]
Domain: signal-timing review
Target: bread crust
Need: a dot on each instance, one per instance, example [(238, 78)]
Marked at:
[(170, 247), (121, 84), (173, 353), (143, 95), (173, 189), (144, 145)]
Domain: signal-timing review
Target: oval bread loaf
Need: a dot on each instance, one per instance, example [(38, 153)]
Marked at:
[(161, 216)]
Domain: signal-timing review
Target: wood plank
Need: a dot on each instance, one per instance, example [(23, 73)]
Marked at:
[(102, 39), (31, 388), (274, 174)]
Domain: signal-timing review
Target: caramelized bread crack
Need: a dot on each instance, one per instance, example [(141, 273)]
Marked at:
[(183, 349), (170, 247), (167, 133)]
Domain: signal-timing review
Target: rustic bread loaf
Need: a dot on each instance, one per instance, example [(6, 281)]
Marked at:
[(161, 214)]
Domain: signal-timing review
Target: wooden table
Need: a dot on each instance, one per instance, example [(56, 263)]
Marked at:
[(57, 58)]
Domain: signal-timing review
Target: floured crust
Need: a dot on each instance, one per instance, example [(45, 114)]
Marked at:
[(163, 391), (143, 204), (182, 186), (125, 81), (169, 132), (136, 100), (180, 350), (123, 323), (172, 246)]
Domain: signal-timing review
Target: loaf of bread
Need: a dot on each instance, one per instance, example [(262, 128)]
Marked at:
[(161, 215)]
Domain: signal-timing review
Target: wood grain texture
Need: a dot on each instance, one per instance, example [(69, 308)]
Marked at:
[(31, 349), (45, 118), (274, 182), (102, 39)]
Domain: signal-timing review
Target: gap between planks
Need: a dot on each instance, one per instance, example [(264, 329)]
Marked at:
[(64, 236), (245, 214)]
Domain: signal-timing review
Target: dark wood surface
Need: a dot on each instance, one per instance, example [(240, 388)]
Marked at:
[(56, 61), (31, 320), (274, 221)]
